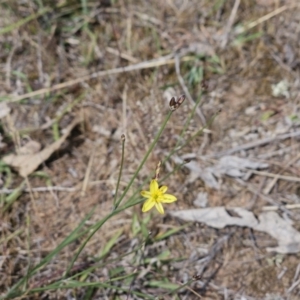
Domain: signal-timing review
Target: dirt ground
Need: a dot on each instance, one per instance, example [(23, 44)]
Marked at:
[(76, 75)]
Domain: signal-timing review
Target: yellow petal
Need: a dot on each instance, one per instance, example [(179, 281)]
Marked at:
[(160, 208), (163, 189), (167, 198), (146, 194), (148, 205), (153, 186)]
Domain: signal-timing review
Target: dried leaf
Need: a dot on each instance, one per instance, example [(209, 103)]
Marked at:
[(235, 166), (30, 148), (196, 171), (27, 163), (280, 229), (4, 110), (217, 217), (270, 222), (201, 200), (228, 165)]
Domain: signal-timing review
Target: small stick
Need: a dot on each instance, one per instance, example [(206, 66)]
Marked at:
[(287, 206), (230, 22), (254, 190), (41, 189), (122, 55), (295, 281), (54, 188), (258, 143), (186, 90), (270, 186), (282, 177), (264, 18), (165, 60), (87, 174)]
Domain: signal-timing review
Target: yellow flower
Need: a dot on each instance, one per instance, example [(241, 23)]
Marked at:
[(156, 196)]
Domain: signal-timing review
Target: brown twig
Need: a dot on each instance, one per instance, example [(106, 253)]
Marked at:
[(165, 60), (186, 90), (230, 23), (88, 173), (270, 186), (265, 18), (258, 143)]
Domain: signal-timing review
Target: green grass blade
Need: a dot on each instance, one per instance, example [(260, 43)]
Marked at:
[(111, 243), (121, 168), (69, 239), (22, 22), (170, 233)]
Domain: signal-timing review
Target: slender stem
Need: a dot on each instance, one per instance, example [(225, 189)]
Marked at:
[(145, 157), (120, 173), (174, 170), (175, 149), (97, 227)]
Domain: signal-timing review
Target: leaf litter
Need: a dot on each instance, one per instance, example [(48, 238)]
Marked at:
[(25, 163), (255, 65), (232, 166), (270, 222)]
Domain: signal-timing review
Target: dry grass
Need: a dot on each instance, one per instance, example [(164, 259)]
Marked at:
[(112, 64)]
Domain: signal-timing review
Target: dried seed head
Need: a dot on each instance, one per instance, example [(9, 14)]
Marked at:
[(123, 137), (175, 104), (180, 100), (197, 277), (172, 104)]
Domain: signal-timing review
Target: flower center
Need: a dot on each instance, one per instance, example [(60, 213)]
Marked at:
[(156, 196)]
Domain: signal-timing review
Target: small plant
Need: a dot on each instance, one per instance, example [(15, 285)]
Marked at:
[(156, 196)]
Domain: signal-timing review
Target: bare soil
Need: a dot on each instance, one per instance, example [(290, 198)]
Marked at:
[(60, 49)]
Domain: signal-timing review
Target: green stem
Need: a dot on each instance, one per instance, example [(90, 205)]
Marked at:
[(120, 173), (97, 227), (145, 157)]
